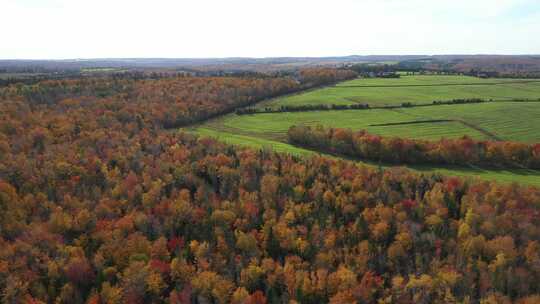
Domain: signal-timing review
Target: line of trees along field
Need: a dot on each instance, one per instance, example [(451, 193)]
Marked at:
[(99, 203), (356, 106), (463, 151)]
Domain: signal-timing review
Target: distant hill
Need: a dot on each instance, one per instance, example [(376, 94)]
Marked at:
[(503, 64), (235, 63)]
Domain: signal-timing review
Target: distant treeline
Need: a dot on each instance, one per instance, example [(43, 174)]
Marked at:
[(520, 75), (336, 107), (29, 79), (378, 71), (391, 70), (494, 74), (462, 151), (439, 68), (307, 77), (302, 108)]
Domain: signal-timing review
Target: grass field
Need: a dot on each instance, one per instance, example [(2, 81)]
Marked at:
[(512, 121), (276, 125), (415, 89), (252, 141), (516, 121)]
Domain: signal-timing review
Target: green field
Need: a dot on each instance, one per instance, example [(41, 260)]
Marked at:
[(515, 121), (415, 89), (252, 141), (511, 121), (275, 126)]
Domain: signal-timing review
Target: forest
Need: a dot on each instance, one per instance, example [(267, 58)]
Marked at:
[(169, 102), (101, 202), (463, 151)]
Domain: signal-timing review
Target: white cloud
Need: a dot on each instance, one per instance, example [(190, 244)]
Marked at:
[(205, 28)]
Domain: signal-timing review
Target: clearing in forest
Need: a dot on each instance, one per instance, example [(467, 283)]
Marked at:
[(513, 115), (417, 89)]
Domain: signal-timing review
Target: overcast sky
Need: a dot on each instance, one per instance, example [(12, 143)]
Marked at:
[(42, 29)]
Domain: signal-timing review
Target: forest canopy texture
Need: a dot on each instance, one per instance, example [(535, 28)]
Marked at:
[(100, 203)]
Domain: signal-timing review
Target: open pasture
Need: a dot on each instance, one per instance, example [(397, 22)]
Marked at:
[(414, 89), (513, 121)]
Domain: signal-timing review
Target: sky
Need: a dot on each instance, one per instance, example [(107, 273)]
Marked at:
[(67, 29)]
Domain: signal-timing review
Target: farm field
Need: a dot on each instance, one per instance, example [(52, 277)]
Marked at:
[(515, 121), (498, 120), (416, 89), (510, 121), (276, 125)]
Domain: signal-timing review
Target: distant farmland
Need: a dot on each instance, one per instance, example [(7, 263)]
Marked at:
[(501, 119), (415, 89)]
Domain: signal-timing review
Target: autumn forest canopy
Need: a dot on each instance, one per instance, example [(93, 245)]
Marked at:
[(398, 150), (104, 200)]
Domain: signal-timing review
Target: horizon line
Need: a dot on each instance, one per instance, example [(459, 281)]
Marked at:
[(265, 57)]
